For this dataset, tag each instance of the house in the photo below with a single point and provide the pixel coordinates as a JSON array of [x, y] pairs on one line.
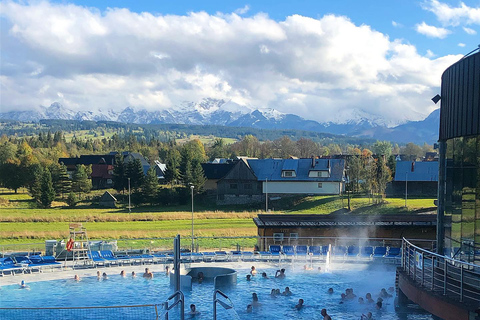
[[300, 176], [160, 169], [107, 200], [102, 168], [214, 171], [239, 185], [419, 178]]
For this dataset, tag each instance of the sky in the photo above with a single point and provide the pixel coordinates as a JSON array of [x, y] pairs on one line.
[[322, 60]]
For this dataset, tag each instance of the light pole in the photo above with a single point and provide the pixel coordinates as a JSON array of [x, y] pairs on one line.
[[406, 188], [266, 195], [193, 245], [129, 206]]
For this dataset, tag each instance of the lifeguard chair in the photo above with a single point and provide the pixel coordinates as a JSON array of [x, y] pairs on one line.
[[79, 245]]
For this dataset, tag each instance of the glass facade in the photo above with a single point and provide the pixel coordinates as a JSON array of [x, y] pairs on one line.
[[462, 197]]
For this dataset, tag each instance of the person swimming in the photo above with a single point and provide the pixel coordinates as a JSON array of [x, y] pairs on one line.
[[299, 304], [134, 274], [273, 294], [253, 271], [277, 292], [99, 275], [249, 308], [148, 274], [384, 294], [306, 267], [360, 300], [200, 277], [330, 291], [287, 292], [325, 314], [368, 297], [379, 305], [122, 273], [76, 278], [368, 316], [193, 310], [249, 277], [104, 276], [23, 285], [280, 274], [264, 275], [167, 270]]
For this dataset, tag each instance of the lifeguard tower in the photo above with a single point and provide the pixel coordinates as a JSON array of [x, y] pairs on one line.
[[79, 245]]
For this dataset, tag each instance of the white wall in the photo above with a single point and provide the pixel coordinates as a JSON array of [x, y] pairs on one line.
[[303, 187]]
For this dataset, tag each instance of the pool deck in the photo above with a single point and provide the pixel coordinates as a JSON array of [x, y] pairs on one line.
[[69, 273]]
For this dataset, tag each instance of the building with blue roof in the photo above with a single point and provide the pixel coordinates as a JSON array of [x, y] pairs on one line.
[[417, 178]]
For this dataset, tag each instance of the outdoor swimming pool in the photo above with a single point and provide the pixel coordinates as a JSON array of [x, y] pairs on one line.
[[311, 286]]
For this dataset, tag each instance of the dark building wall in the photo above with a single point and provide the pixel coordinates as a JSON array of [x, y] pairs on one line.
[[415, 188], [239, 181], [459, 179]]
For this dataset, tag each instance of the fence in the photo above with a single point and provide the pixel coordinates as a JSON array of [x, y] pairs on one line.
[[224, 244], [147, 312], [440, 274]]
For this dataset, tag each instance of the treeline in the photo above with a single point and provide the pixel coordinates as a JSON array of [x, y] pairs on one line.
[[32, 162]]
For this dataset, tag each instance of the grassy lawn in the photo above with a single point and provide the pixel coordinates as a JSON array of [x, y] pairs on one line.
[[22, 222]]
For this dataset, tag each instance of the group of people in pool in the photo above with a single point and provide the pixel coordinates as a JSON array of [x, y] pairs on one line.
[[147, 274]]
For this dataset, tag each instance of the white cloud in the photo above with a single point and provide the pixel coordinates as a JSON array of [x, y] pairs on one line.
[[316, 68], [461, 44], [243, 10], [469, 31], [453, 16], [396, 24], [431, 31]]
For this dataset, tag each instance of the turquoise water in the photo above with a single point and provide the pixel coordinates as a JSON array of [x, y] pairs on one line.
[[311, 286]]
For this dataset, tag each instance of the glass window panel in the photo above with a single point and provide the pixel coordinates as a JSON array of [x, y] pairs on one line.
[[458, 152], [469, 152]]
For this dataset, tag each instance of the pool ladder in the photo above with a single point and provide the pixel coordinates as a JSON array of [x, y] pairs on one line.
[[226, 306], [179, 299]]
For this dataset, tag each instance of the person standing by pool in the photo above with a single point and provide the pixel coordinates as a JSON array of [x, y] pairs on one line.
[[167, 270], [325, 315]]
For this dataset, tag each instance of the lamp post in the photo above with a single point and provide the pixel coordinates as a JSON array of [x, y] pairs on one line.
[[129, 206], [193, 245], [406, 188], [266, 195]]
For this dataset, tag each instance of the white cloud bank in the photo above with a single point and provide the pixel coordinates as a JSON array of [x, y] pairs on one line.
[[432, 31], [316, 68], [453, 16]]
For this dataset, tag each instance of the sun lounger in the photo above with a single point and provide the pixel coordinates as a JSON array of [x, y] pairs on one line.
[[379, 252], [221, 256], [288, 250], [339, 251], [97, 259], [208, 256], [301, 251], [108, 255], [366, 252], [275, 250], [393, 253], [248, 256], [235, 255], [353, 251], [8, 265]]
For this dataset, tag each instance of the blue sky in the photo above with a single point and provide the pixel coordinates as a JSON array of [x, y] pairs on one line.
[[323, 60]]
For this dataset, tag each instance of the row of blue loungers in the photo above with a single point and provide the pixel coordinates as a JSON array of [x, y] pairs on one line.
[[338, 253], [27, 264]]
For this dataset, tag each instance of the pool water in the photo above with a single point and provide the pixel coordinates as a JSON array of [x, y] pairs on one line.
[[311, 286]]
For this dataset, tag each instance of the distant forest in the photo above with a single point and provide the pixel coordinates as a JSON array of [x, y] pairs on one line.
[[169, 132]]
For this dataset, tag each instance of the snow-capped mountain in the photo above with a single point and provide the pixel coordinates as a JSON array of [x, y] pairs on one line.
[[228, 113]]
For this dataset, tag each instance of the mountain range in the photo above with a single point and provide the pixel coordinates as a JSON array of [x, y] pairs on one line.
[[228, 113]]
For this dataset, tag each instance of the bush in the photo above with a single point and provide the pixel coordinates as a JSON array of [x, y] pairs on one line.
[[71, 199]]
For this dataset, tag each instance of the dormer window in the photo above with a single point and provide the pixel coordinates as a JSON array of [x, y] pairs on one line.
[[288, 174], [319, 174]]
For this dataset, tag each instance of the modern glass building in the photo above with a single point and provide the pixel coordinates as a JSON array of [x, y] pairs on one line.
[[459, 170]]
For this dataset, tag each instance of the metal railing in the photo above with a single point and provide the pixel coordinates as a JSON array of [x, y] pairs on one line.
[[223, 304], [440, 274], [179, 299]]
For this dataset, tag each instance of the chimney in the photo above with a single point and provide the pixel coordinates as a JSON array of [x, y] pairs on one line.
[[413, 166], [328, 164], [313, 162]]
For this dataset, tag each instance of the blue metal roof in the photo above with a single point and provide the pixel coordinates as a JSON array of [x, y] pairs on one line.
[[416, 171], [271, 169]]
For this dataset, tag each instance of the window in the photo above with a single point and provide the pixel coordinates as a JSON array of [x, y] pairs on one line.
[[110, 171], [278, 237], [233, 186], [320, 185], [109, 181], [288, 174], [293, 236], [247, 186]]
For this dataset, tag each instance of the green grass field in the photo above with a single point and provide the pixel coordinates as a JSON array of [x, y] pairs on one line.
[[22, 222]]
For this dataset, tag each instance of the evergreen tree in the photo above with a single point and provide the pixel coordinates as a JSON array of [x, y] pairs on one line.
[[119, 174], [173, 158], [12, 176], [71, 199], [80, 181], [150, 185], [35, 185], [198, 177], [60, 179], [47, 191], [135, 173], [187, 176]]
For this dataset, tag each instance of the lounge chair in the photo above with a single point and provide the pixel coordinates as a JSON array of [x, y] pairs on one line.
[[301, 251], [339, 251], [208, 256], [353, 251], [393, 253], [221, 256], [366, 252], [315, 251], [43, 262], [235, 255], [97, 259], [288, 250], [8, 265], [108, 255], [379, 252], [248, 256]]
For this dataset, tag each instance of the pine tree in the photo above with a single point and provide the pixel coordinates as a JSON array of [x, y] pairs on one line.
[[35, 185], [198, 177], [47, 191], [135, 173], [187, 175], [150, 185], [80, 181], [119, 174], [172, 175], [60, 179]]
